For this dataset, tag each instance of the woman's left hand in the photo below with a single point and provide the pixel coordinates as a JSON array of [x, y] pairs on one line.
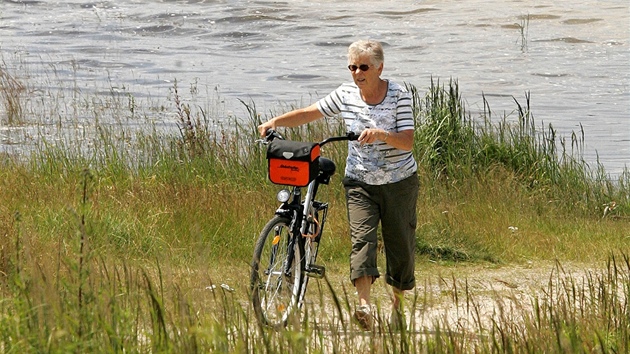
[[372, 135]]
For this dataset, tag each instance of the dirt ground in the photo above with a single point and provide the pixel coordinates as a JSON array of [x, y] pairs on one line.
[[462, 297]]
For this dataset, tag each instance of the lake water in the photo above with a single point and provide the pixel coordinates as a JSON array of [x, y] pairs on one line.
[[572, 56]]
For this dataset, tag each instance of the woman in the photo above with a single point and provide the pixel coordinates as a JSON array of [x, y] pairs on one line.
[[380, 177]]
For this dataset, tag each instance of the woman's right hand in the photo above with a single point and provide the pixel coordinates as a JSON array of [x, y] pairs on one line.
[[263, 128]]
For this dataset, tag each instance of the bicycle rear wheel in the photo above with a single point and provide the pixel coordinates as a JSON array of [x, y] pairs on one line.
[[274, 291]]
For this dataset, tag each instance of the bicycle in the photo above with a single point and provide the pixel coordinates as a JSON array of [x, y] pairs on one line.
[[286, 250]]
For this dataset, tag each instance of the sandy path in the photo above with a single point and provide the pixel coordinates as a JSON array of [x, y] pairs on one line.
[[463, 297]]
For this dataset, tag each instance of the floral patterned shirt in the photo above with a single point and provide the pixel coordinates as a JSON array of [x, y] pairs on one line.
[[376, 163]]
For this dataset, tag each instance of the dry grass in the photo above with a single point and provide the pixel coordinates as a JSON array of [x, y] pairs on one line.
[[11, 90]]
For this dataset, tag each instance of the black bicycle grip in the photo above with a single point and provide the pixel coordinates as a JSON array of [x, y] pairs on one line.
[[271, 134]]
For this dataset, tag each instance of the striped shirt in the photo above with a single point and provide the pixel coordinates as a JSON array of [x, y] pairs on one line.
[[376, 163]]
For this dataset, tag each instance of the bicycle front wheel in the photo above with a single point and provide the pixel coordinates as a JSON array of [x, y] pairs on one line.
[[274, 284]]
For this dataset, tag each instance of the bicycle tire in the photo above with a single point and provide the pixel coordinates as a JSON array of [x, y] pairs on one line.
[[275, 295]]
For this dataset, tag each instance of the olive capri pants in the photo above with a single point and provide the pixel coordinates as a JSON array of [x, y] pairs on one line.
[[394, 206]]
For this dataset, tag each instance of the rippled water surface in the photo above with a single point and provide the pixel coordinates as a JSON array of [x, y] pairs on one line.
[[572, 56]]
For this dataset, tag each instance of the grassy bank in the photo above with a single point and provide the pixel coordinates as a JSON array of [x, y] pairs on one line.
[[116, 239]]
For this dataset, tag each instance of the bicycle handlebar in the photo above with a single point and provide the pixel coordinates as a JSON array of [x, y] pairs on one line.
[[350, 136], [272, 135]]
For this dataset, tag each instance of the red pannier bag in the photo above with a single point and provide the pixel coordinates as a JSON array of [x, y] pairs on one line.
[[293, 163]]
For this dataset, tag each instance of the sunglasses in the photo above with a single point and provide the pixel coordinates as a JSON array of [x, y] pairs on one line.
[[362, 67]]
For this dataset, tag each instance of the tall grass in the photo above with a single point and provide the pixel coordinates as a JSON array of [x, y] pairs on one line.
[[11, 90], [456, 146], [118, 239]]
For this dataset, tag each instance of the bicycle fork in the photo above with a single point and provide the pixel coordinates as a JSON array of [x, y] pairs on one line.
[[274, 249], [275, 244]]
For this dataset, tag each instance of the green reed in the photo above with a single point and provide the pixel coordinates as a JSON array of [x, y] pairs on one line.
[[454, 145]]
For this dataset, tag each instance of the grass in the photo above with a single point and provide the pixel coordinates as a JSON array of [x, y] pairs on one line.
[[524, 30], [118, 239]]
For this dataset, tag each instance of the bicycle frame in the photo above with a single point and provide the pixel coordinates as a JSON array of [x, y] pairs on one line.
[[300, 212]]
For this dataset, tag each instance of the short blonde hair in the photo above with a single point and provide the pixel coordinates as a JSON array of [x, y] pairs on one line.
[[367, 46]]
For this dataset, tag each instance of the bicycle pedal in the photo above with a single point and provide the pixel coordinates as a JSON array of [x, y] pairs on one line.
[[316, 271]]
